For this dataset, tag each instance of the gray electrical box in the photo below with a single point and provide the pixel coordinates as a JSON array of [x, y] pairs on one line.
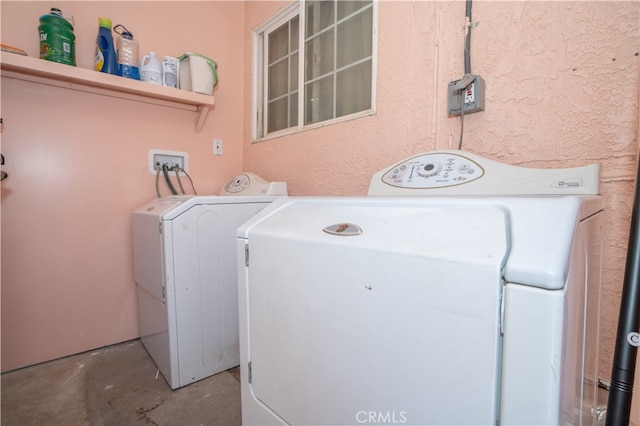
[[472, 97]]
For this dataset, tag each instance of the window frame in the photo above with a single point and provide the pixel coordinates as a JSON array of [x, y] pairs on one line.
[[260, 73]]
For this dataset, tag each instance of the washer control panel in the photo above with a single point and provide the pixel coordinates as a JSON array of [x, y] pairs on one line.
[[434, 170], [238, 184], [252, 184]]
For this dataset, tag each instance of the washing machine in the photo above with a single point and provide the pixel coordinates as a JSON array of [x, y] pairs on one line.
[[461, 291], [185, 273]]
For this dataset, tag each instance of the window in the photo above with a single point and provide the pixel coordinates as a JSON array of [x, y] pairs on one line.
[[331, 44]]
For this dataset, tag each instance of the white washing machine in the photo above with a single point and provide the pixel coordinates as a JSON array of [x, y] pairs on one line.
[[185, 274], [470, 298]]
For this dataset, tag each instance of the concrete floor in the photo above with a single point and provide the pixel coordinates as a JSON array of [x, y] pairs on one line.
[[118, 385]]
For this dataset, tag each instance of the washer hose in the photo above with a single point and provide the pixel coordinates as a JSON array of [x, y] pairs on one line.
[[165, 171]]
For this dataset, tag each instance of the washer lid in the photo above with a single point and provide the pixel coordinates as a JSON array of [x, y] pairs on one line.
[[168, 208], [160, 206]]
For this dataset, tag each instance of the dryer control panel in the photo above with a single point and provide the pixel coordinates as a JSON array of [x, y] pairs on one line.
[[434, 170], [460, 172]]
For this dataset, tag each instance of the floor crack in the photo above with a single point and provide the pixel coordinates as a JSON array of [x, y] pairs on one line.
[[142, 413]]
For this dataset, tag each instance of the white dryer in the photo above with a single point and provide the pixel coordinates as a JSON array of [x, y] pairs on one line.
[[477, 305], [185, 272]]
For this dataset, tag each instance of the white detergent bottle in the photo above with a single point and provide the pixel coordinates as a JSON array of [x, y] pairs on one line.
[[151, 69]]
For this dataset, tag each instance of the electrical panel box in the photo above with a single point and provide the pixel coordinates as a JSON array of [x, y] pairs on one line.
[[471, 97]]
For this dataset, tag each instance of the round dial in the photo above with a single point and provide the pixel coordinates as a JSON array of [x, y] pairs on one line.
[[433, 170], [429, 169], [238, 184]]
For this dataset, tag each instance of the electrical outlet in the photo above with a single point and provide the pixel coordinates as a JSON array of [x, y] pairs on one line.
[[472, 96], [172, 159], [469, 95], [217, 146]]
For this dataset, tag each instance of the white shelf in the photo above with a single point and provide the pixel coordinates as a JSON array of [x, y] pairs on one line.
[[54, 74]]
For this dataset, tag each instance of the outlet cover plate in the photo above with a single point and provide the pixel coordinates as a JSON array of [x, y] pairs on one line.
[[217, 146], [472, 97]]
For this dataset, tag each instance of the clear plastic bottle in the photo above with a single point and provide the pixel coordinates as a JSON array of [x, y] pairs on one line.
[[151, 69], [127, 53]]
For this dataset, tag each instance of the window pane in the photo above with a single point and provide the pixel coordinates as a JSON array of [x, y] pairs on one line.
[[277, 115], [294, 33], [279, 43], [293, 72], [346, 8], [282, 76], [354, 38], [320, 14], [319, 100], [319, 56], [278, 79], [293, 109], [353, 89]]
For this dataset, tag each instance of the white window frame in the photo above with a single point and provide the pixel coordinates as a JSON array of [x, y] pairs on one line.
[[260, 67]]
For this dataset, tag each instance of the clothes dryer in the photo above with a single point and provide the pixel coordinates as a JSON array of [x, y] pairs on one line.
[[185, 275], [471, 297]]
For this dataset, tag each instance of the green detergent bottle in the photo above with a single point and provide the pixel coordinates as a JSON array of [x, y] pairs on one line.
[[57, 41]]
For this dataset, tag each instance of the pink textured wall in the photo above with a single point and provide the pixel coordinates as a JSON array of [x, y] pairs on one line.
[[561, 90], [77, 166]]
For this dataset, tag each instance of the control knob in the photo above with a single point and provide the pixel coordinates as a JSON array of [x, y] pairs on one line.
[[429, 169]]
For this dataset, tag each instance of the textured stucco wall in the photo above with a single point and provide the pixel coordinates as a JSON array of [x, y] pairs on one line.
[[561, 90]]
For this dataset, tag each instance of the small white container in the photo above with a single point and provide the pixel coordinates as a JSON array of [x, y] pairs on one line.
[[198, 73], [151, 69]]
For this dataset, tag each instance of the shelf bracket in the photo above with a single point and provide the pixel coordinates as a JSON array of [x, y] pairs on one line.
[[203, 110]]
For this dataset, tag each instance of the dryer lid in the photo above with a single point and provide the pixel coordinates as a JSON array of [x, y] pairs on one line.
[[540, 229], [337, 288]]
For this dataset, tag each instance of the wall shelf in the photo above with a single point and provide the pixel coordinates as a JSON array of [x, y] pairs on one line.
[[54, 74]]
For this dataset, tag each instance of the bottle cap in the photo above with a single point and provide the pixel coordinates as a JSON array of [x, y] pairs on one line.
[[120, 29], [104, 22]]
